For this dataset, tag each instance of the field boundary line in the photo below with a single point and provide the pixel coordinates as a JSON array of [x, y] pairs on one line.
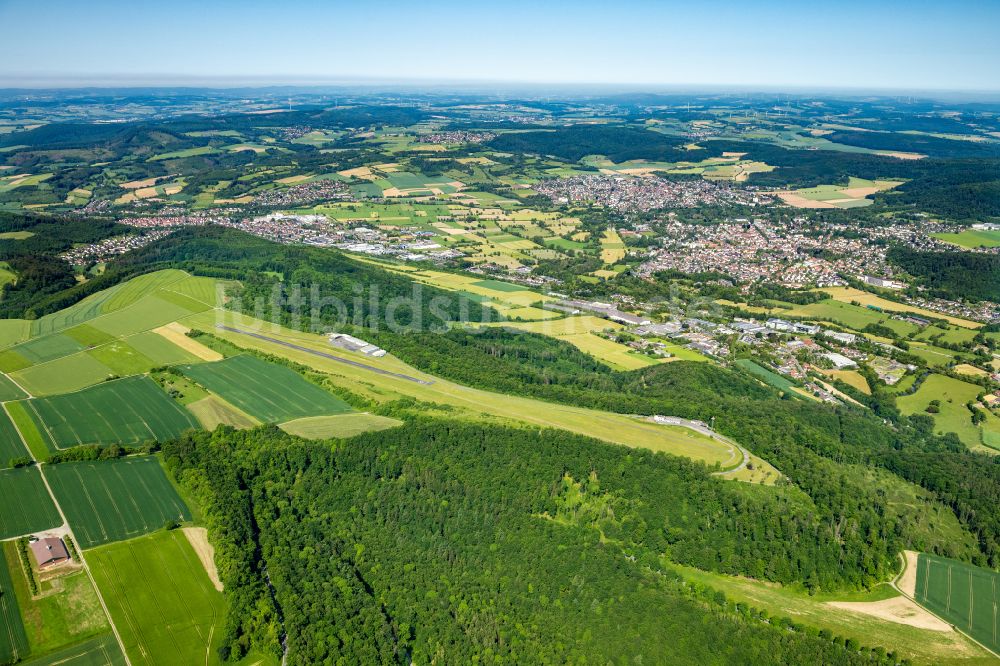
[[14, 382], [86, 567], [20, 435]]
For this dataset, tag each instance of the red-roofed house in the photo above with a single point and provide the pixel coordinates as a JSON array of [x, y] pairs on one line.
[[49, 551]]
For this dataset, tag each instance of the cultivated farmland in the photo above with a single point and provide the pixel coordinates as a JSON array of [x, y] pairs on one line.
[[161, 599], [111, 500], [339, 425], [65, 610], [27, 505], [13, 639], [126, 411], [962, 594], [616, 428], [269, 392], [100, 651]]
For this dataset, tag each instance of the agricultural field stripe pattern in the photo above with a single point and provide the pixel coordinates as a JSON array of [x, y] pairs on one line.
[[269, 392], [160, 598], [11, 445], [13, 638], [26, 502], [124, 411], [964, 595], [114, 500], [100, 651]]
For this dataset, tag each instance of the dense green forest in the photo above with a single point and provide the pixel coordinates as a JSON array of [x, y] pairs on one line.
[[807, 441], [469, 543], [954, 275], [40, 274], [617, 143]]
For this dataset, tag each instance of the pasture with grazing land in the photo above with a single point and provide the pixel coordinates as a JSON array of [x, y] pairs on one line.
[[953, 415], [111, 500], [27, 506], [161, 599], [266, 391], [125, 411]]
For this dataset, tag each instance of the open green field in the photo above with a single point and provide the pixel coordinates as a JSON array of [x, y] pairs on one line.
[[126, 411], [108, 301], [11, 445], [269, 392], [954, 415], [13, 638], [66, 610], [339, 425], [614, 428], [971, 238], [852, 316], [767, 376], [47, 348], [112, 500], [964, 595], [189, 152], [70, 373], [27, 506], [161, 599], [158, 349], [29, 431], [99, 651], [212, 411], [848, 294]]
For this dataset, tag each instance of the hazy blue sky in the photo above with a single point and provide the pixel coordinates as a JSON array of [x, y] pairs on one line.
[[914, 44]]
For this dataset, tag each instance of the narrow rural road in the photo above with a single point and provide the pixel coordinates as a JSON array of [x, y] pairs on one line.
[[703, 429]]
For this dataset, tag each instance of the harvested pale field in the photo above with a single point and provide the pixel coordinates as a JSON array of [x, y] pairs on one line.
[[900, 155], [145, 193], [172, 189], [177, 334], [797, 201], [358, 172], [966, 369], [293, 179], [450, 230], [198, 538], [908, 581], [898, 609], [139, 184], [735, 155], [212, 411]]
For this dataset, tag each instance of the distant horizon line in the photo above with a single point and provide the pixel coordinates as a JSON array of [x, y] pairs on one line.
[[58, 82]]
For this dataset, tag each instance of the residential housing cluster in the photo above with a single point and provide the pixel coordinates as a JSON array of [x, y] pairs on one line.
[[636, 194]]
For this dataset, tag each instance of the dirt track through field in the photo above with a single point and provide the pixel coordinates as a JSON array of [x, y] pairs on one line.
[[898, 609], [198, 537], [907, 583]]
